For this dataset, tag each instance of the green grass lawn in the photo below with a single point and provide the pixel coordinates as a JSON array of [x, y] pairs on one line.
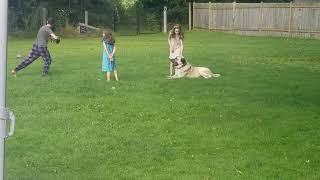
[[260, 120]]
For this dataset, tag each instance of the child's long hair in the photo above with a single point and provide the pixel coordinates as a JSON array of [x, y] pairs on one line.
[[172, 33], [108, 38]]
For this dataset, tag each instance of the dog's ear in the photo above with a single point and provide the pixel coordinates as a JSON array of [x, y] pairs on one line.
[[183, 61]]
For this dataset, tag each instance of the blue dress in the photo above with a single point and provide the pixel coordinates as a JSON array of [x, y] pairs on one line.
[[107, 64]]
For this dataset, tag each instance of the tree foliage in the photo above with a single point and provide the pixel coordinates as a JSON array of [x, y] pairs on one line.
[[26, 15]]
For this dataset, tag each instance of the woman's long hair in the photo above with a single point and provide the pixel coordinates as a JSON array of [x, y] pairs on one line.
[[172, 33]]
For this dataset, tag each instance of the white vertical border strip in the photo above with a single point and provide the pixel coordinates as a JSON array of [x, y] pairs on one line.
[[3, 78]]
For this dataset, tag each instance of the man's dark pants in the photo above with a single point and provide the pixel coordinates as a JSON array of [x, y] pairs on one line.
[[35, 53]]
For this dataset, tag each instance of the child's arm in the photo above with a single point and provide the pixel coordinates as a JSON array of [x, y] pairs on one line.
[[114, 50], [104, 47], [181, 45], [112, 53], [169, 41], [170, 47]]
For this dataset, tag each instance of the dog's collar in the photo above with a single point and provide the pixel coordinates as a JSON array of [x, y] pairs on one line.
[[186, 70], [181, 66]]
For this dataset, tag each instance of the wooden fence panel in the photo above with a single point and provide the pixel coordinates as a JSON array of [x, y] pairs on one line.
[[279, 19]]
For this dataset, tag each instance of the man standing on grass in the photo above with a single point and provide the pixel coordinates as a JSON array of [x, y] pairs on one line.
[[40, 48]]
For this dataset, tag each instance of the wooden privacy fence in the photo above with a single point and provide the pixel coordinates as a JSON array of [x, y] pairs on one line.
[[274, 19]]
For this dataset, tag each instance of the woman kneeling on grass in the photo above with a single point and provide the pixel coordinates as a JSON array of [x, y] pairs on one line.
[[108, 56]]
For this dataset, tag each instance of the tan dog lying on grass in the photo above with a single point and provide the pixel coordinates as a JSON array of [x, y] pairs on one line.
[[184, 69]]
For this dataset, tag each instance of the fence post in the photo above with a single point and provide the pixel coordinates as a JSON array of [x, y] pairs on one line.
[[138, 19], [86, 17], [67, 21], [44, 16], [210, 15], [290, 18], [233, 15], [193, 14], [261, 16], [189, 16], [165, 19]]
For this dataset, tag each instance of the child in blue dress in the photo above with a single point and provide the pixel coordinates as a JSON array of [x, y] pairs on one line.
[[108, 56]]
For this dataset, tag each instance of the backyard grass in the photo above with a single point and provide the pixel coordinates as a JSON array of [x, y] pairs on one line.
[[260, 120]]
